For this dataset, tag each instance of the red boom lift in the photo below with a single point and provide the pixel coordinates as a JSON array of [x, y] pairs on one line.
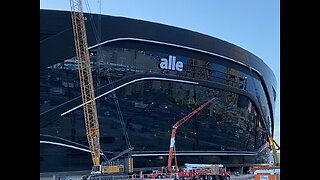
[[170, 171], [173, 135]]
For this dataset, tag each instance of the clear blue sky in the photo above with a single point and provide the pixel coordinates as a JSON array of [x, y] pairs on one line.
[[251, 24]]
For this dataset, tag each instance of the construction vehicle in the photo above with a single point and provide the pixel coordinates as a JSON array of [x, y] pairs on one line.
[[276, 164], [88, 97], [159, 173], [190, 171], [269, 171], [272, 143], [205, 171], [172, 155]]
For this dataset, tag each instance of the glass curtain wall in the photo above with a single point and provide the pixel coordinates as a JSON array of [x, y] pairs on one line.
[[150, 107]]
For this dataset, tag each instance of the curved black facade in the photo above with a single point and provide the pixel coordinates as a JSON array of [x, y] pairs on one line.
[[159, 74]]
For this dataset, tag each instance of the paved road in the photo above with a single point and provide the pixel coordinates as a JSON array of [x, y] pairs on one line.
[[242, 177]]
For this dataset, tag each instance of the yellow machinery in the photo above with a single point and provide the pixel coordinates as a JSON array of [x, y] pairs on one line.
[[272, 143], [269, 172], [87, 91]]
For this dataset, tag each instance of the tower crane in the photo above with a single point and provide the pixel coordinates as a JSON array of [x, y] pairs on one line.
[[173, 135], [87, 93]]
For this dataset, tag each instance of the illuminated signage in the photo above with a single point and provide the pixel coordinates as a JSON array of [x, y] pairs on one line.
[[171, 64]]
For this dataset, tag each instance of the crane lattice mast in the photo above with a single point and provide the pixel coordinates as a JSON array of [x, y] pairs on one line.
[[86, 81]]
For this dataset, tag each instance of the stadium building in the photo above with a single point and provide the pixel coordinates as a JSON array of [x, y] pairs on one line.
[[157, 74]]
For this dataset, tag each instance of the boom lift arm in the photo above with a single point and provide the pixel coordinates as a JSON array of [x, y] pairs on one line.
[[173, 135], [274, 152]]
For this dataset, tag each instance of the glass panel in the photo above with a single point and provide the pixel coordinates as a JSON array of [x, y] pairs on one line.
[[150, 108]]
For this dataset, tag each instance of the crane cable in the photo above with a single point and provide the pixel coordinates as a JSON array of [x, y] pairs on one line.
[[119, 111], [98, 40]]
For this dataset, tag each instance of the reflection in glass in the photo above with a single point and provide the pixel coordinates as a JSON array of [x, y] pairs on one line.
[[231, 122]]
